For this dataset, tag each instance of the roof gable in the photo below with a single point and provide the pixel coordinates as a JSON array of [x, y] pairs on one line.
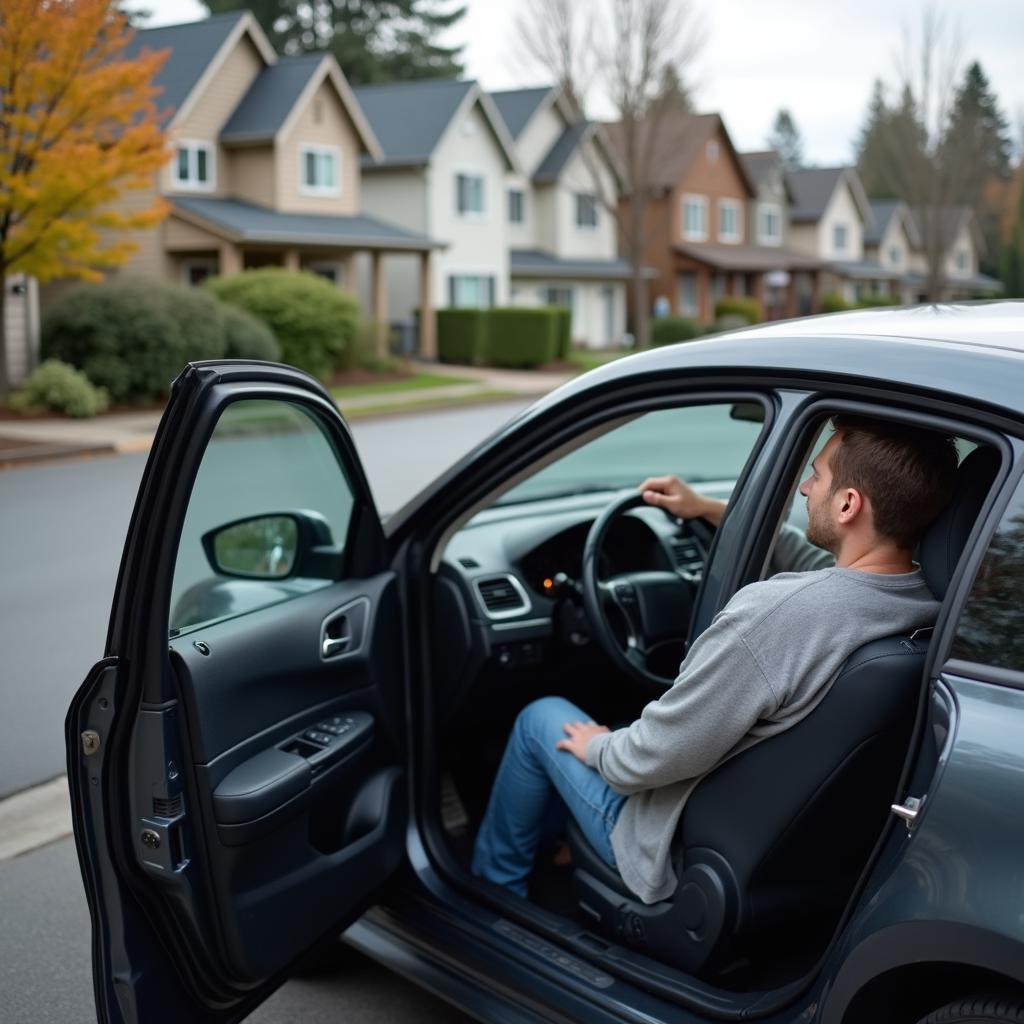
[[517, 106], [885, 214], [764, 168], [813, 188]]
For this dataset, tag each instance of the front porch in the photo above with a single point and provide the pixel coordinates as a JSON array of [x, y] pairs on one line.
[[224, 236]]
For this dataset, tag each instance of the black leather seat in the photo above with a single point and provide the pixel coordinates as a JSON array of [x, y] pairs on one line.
[[779, 834]]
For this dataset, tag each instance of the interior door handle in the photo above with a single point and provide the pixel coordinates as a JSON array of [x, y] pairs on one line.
[[334, 645], [908, 810]]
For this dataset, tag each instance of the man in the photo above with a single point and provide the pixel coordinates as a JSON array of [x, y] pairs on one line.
[[764, 663]]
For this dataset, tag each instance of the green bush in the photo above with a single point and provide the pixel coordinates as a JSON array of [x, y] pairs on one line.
[[462, 335], [564, 332], [61, 388], [133, 337], [313, 321], [667, 330], [833, 302], [245, 337], [870, 301], [738, 305], [520, 336]]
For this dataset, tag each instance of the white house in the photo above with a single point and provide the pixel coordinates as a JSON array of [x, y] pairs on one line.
[[893, 244], [562, 234], [446, 152], [956, 230]]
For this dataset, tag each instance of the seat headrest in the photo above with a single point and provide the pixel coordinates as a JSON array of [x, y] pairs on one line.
[[944, 540]]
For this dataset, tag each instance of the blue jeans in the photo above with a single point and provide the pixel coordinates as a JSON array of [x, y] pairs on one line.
[[534, 786]]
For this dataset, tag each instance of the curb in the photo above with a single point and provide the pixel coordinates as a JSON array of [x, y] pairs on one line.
[[11, 458]]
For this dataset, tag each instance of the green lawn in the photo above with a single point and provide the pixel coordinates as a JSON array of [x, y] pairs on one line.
[[419, 404], [416, 382], [587, 359]]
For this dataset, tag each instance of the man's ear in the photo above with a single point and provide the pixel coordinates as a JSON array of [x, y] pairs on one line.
[[851, 505]]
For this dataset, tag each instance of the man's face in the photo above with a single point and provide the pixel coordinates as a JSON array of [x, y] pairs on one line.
[[817, 489]]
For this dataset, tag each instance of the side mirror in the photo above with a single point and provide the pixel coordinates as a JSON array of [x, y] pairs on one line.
[[275, 546], [750, 412]]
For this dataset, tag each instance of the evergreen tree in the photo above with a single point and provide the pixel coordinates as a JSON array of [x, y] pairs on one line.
[[786, 140], [372, 40], [977, 123], [1013, 252]]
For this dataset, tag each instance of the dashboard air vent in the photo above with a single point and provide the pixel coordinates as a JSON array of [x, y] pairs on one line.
[[686, 553], [502, 596], [469, 563]]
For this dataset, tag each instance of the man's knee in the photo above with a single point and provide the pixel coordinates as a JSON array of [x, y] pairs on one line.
[[545, 715]]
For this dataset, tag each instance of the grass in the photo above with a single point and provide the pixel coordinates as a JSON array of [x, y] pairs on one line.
[[587, 359], [416, 382], [419, 404]]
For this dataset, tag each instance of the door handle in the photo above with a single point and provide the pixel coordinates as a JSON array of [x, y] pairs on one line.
[[334, 645], [908, 810]]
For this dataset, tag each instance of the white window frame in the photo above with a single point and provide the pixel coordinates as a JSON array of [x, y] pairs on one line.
[[962, 260], [490, 290], [521, 192], [730, 237], [193, 146], [580, 226], [684, 308], [895, 256], [317, 150], [702, 203], [845, 247], [774, 209], [480, 214]]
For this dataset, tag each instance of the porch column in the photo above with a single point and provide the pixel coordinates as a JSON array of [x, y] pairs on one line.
[[428, 323], [291, 260], [379, 303], [230, 259], [758, 293]]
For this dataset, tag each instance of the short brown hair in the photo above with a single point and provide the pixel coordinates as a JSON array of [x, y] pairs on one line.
[[907, 473]]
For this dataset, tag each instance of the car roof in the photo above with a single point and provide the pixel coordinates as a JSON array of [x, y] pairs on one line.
[[972, 351]]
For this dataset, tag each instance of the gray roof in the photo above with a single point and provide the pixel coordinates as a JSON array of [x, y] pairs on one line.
[[558, 156], [812, 189], [760, 165], [517, 106], [866, 270], [270, 99], [409, 118], [193, 46], [883, 211], [246, 222], [751, 258], [538, 263]]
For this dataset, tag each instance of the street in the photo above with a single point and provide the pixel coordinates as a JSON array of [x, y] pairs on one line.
[[63, 526]]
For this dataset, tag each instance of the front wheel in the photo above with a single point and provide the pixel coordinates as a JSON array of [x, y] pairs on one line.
[[984, 1009]]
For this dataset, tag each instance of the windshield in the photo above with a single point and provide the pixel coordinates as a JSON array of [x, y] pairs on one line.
[[699, 443]]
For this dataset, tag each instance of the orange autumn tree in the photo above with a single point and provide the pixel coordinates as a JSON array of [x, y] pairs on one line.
[[78, 125]]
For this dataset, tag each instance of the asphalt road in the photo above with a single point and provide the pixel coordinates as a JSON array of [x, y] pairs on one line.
[[62, 528]]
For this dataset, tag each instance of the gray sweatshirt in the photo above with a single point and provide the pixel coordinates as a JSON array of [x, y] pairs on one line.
[[764, 663]]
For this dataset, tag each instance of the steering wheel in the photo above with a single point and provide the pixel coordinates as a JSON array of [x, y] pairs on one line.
[[655, 605]]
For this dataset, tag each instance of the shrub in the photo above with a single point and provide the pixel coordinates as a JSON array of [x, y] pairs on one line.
[[133, 337], [833, 302], [461, 335], [731, 322], [55, 385], [667, 330], [564, 348], [245, 337], [870, 301], [738, 305], [313, 321], [521, 336]]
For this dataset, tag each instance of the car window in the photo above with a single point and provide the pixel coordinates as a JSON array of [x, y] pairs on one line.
[[701, 444], [989, 631], [267, 517]]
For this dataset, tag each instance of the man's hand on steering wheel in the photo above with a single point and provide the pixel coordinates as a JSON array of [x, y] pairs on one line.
[[681, 500]]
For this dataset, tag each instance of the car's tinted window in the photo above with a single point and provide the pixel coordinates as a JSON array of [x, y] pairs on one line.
[[991, 629], [271, 487]]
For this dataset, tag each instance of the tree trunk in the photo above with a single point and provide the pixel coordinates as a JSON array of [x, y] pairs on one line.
[[637, 251], [5, 384]]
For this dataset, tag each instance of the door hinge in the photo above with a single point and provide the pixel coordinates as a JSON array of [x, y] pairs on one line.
[[90, 742]]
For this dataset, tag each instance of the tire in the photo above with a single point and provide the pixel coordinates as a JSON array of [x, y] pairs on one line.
[[983, 1009]]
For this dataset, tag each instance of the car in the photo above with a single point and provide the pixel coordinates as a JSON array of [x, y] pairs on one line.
[[300, 708]]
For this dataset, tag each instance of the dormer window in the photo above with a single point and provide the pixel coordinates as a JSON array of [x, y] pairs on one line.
[[895, 255], [318, 170], [840, 237], [586, 210], [194, 166], [469, 195], [962, 260]]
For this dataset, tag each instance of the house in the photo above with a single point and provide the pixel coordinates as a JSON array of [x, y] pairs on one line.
[[892, 243], [561, 207], [956, 234], [698, 237], [21, 326], [265, 167], [828, 220], [445, 152]]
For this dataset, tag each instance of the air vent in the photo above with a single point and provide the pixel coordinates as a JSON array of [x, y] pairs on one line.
[[686, 554], [502, 596], [167, 808], [469, 563]]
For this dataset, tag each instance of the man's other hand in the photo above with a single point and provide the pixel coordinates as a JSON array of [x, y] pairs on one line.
[[579, 734], [681, 500]]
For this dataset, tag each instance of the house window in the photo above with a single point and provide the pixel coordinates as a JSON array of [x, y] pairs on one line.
[[470, 291], [556, 295], [195, 272], [895, 256], [515, 206], [840, 237], [688, 294], [586, 211], [194, 166], [469, 194], [769, 224], [729, 220], [318, 171], [695, 218], [962, 260]]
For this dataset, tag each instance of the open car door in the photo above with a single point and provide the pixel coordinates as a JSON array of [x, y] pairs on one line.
[[235, 759]]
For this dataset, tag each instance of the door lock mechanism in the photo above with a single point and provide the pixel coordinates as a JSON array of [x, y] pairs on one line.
[[90, 742], [908, 810]]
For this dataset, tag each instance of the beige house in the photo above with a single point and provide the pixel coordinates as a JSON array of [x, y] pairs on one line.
[[265, 167], [21, 326], [957, 234]]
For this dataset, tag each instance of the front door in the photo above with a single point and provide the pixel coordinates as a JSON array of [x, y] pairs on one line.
[[235, 759]]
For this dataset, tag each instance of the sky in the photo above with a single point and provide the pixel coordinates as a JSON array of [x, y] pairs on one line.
[[817, 58]]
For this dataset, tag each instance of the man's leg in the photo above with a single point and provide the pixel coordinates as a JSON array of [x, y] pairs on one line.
[[531, 772]]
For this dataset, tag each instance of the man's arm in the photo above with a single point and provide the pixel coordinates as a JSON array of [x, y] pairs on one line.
[[681, 500]]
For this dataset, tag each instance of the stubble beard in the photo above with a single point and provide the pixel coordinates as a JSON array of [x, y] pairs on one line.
[[821, 531]]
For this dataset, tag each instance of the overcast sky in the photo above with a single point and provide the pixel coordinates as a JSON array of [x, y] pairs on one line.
[[818, 58]]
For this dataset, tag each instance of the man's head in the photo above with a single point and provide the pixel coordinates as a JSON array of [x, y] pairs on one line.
[[878, 481]]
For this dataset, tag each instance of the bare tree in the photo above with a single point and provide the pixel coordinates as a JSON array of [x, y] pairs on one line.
[[555, 36]]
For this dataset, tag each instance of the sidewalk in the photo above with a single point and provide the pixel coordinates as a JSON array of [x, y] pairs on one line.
[[31, 440]]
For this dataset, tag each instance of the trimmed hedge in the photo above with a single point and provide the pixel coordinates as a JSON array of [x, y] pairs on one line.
[[133, 337], [667, 330], [833, 302], [461, 335], [520, 336], [58, 387], [314, 323], [738, 305], [870, 301]]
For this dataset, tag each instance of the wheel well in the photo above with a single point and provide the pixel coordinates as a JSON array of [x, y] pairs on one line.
[[906, 994]]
